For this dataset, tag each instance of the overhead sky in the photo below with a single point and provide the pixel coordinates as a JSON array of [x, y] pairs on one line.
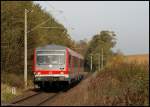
[[83, 19]]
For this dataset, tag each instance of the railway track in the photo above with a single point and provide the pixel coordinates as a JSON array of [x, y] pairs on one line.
[[39, 97], [25, 97], [35, 98]]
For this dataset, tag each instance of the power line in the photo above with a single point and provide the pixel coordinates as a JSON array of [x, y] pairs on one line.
[[64, 17]]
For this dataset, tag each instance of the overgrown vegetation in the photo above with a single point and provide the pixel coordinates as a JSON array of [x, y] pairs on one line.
[[7, 92], [15, 79], [121, 84], [10, 81], [124, 84]]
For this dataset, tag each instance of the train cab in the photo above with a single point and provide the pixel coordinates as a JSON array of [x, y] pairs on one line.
[[56, 63]]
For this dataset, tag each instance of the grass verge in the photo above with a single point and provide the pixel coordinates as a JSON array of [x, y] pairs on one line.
[[12, 85]]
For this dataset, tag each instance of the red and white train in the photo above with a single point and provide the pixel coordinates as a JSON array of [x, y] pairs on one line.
[[56, 63]]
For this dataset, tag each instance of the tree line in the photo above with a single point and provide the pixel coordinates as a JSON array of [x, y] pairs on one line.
[[12, 33], [100, 46]]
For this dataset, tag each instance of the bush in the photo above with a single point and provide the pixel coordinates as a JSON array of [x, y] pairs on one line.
[[13, 79], [6, 93]]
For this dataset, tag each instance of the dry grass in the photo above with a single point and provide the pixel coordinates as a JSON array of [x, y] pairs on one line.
[[141, 58], [7, 93], [10, 81]]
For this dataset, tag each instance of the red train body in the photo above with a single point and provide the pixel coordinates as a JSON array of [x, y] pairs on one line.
[[55, 63]]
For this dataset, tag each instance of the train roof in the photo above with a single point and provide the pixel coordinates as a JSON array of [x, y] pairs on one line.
[[59, 47], [52, 47], [75, 53]]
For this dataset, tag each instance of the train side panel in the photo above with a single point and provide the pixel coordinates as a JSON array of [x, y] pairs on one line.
[[75, 67]]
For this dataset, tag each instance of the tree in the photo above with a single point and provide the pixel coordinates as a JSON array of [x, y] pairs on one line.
[[104, 41], [82, 46]]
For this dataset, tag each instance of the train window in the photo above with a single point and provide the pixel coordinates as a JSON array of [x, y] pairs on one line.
[[42, 60], [61, 59], [51, 58], [70, 60], [75, 62], [81, 62]]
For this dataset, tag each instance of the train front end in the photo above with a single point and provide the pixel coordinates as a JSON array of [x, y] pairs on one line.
[[50, 65]]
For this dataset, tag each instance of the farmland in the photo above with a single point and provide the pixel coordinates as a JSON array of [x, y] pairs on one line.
[[139, 58]]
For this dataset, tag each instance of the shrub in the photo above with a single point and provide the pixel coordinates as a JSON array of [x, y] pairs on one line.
[[120, 83]]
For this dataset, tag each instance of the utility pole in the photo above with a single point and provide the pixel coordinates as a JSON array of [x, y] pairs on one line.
[[99, 61], [25, 47], [102, 58], [91, 63], [25, 41]]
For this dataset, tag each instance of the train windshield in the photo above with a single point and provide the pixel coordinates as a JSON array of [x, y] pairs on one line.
[[50, 57]]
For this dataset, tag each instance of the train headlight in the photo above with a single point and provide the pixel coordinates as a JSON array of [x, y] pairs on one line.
[[61, 72], [38, 73], [50, 66]]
